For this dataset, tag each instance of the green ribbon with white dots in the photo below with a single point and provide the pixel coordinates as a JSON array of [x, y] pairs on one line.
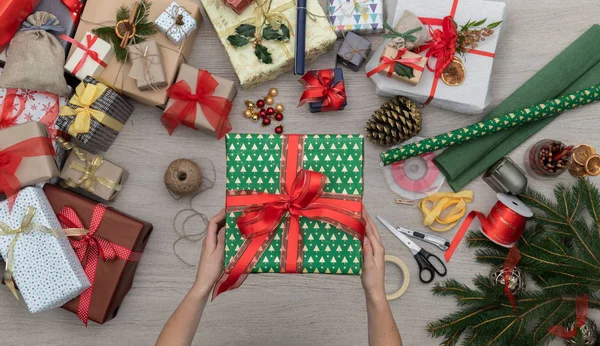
[[503, 122]]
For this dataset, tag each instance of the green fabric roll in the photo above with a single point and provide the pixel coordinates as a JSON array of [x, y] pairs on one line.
[[576, 68]]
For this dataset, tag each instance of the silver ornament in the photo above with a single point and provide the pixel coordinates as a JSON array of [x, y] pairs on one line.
[[516, 282], [589, 331]]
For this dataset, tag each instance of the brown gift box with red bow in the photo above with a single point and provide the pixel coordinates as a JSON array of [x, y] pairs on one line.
[[113, 278]]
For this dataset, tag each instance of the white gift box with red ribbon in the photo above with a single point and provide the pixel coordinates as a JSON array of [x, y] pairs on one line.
[[474, 94]]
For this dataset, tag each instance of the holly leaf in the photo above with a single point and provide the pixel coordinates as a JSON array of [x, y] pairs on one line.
[[271, 34], [403, 70], [493, 25], [237, 40], [246, 30], [285, 33], [479, 22], [262, 53]]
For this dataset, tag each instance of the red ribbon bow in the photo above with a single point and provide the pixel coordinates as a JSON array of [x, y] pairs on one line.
[[75, 6], [263, 212], [581, 312], [88, 52], [388, 63], [11, 158], [216, 109], [6, 120], [88, 248], [320, 88], [442, 46]]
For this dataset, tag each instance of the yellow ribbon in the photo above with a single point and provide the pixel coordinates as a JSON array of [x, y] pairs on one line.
[[85, 96], [88, 167], [454, 204], [27, 226]]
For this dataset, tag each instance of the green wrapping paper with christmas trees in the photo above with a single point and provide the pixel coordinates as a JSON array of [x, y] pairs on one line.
[[576, 68], [255, 164]]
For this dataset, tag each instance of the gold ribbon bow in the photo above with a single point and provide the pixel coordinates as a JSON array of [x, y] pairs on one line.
[[264, 14], [85, 96], [88, 167], [27, 226]]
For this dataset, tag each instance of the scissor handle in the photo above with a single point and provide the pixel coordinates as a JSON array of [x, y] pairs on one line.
[[423, 260]]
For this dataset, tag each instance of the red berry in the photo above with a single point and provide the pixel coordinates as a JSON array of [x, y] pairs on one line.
[[266, 122], [262, 113], [279, 129], [270, 111], [260, 103], [278, 116]]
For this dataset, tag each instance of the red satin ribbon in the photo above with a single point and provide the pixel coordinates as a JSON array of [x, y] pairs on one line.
[[11, 158], [510, 263], [75, 6], [443, 46], [319, 88], [88, 248], [88, 52], [388, 63], [503, 226], [216, 109], [302, 196], [6, 120], [581, 312]]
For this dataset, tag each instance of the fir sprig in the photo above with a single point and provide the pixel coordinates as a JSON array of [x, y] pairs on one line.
[[560, 252], [143, 28]]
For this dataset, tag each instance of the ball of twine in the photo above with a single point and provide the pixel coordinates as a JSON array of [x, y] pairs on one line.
[[183, 177]]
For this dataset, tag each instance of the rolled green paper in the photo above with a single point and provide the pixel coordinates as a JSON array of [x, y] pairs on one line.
[[526, 115], [577, 67]]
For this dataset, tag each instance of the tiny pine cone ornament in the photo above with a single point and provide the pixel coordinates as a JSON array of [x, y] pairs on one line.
[[394, 122]]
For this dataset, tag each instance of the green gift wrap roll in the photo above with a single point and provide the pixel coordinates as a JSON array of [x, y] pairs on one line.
[[576, 68], [521, 117]]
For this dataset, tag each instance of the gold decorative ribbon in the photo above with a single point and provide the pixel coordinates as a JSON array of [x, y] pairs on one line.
[[85, 96], [455, 203], [89, 179], [27, 226]]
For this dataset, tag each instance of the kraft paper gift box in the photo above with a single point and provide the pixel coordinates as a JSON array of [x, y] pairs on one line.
[[147, 67], [68, 13], [321, 247], [360, 16], [116, 75], [92, 175], [190, 78], [113, 278], [176, 22], [95, 130], [250, 71], [18, 106], [81, 65], [474, 94], [406, 71], [46, 270], [31, 142]]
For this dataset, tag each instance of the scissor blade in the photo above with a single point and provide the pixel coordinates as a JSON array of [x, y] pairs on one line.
[[414, 248]]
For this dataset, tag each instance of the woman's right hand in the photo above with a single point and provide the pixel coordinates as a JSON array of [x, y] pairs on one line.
[[373, 273]]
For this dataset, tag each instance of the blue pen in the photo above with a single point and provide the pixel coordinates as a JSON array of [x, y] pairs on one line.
[[300, 38]]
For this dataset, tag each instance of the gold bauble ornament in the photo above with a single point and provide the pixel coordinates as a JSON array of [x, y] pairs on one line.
[[248, 113], [249, 104], [269, 100], [279, 108], [273, 92]]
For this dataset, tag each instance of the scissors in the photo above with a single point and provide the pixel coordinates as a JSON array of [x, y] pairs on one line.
[[423, 257]]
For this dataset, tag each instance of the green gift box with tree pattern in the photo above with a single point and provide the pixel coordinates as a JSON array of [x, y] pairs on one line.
[[294, 205]]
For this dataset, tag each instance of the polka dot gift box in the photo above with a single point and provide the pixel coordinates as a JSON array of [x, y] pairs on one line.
[[294, 205], [46, 271], [176, 22]]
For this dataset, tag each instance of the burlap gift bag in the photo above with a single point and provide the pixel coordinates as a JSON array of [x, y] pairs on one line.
[[35, 58]]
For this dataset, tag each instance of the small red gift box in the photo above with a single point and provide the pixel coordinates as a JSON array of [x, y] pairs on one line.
[[238, 5]]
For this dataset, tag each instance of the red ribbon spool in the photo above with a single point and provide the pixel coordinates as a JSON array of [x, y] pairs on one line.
[[504, 225]]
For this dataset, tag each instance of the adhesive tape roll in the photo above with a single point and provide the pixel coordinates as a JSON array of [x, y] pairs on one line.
[[405, 277]]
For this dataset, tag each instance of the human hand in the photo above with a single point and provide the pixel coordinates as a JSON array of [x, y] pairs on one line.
[[211, 259], [373, 273]]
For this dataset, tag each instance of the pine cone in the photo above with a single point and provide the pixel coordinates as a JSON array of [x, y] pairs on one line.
[[394, 122]]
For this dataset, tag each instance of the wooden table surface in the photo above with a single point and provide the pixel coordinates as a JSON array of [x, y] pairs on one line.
[[299, 309]]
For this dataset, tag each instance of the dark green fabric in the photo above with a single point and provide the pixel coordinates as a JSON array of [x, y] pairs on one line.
[[575, 68]]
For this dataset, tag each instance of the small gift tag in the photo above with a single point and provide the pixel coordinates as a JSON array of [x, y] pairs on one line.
[[147, 66], [176, 22]]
